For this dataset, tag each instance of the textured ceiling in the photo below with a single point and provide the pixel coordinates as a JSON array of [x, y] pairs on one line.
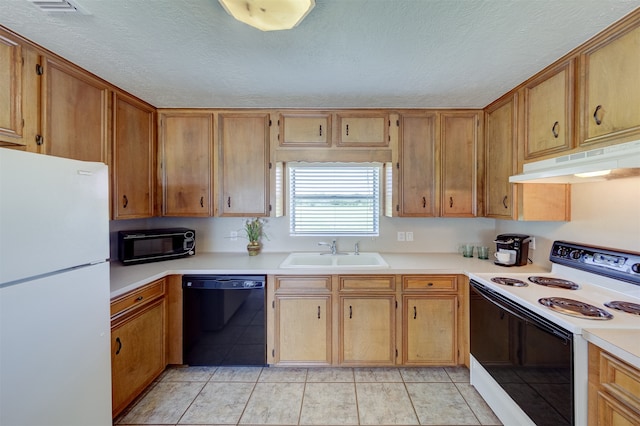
[[346, 53]]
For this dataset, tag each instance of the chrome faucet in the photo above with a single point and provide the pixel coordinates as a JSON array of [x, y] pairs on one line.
[[333, 246], [357, 248]]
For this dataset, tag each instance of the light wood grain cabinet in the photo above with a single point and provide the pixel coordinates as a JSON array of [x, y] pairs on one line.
[[614, 390], [459, 163], [75, 113], [186, 156], [11, 81], [417, 165], [500, 158], [362, 129], [610, 101], [367, 329], [430, 320], [549, 101], [304, 129], [137, 342], [244, 164], [133, 168], [303, 320]]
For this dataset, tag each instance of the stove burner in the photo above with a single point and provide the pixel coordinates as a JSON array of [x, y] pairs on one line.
[[555, 282], [575, 308], [509, 281], [628, 307]]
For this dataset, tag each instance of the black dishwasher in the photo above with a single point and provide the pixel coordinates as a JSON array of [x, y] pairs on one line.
[[224, 320]]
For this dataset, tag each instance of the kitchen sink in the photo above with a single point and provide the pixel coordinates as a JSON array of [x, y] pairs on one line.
[[323, 260]]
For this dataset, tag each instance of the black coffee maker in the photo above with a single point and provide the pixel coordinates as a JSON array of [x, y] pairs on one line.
[[516, 246]]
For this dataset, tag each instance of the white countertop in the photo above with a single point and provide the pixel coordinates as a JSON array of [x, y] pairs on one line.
[[127, 278], [624, 344]]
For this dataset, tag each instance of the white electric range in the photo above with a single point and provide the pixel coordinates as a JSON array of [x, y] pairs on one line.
[[529, 360]]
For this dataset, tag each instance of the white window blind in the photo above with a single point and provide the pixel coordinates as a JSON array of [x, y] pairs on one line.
[[334, 199]]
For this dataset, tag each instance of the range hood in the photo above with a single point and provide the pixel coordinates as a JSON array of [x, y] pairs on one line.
[[622, 160]]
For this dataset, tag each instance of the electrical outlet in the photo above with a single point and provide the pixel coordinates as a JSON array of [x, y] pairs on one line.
[[409, 235], [401, 236], [233, 235], [532, 243]]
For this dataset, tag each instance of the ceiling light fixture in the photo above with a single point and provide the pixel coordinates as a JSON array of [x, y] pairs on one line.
[[269, 15]]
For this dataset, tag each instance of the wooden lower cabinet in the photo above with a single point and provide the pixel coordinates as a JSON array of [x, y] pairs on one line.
[[367, 329], [137, 342], [303, 329], [614, 390], [430, 330]]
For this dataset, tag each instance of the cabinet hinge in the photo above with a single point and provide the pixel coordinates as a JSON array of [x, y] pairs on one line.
[[278, 124], [458, 303], [23, 123], [398, 165], [269, 207], [269, 122], [273, 352], [270, 165], [396, 353], [273, 304], [397, 207], [39, 69], [39, 140], [397, 123], [396, 304]]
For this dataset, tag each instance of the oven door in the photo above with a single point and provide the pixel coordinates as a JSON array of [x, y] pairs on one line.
[[528, 356]]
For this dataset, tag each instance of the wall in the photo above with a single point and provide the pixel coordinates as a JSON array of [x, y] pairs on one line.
[[603, 213]]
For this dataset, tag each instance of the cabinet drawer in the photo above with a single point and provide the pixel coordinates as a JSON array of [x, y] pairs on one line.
[[434, 283], [314, 283], [137, 297], [373, 282], [620, 379]]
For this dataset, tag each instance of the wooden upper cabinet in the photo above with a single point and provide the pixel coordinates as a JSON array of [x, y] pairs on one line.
[[500, 158], [363, 129], [10, 90], [459, 165], [186, 154], [75, 108], [244, 163], [549, 111], [133, 158], [417, 165], [610, 110], [304, 129]]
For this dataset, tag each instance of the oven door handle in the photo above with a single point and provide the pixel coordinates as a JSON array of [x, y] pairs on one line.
[[513, 310]]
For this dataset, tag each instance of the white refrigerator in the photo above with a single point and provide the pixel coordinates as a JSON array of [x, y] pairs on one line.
[[55, 362]]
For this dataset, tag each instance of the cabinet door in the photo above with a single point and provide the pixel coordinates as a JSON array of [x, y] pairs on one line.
[[417, 165], [133, 156], [10, 90], [549, 117], [244, 159], [611, 102], [500, 158], [305, 129], [459, 168], [367, 330], [137, 354], [186, 156], [303, 329], [430, 330], [363, 129], [75, 113]]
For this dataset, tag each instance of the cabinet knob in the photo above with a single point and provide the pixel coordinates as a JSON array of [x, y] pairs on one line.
[[119, 342], [139, 298], [125, 201], [596, 118], [554, 130]]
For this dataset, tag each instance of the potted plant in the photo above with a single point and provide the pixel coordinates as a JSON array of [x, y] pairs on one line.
[[254, 230]]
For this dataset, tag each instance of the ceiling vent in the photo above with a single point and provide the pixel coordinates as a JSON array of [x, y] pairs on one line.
[[58, 6]]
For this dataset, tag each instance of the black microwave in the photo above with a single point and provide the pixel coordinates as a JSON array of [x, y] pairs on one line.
[[154, 245]]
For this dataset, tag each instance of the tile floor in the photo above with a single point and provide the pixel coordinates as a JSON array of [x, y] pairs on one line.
[[310, 396]]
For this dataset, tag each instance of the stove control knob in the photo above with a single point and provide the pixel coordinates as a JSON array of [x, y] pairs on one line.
[[575, 254], [636, 268]]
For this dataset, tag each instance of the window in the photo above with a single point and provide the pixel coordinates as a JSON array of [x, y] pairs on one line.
[[334, 198]]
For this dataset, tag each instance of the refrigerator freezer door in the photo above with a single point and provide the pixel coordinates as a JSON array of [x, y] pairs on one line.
[[54, 214], [55, 364]]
